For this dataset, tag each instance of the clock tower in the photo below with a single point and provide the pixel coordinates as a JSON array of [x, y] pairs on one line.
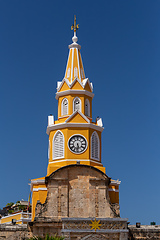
[[75, 169], [74, 137]]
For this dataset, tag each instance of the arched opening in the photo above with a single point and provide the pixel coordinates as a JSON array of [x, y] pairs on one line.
[[76, 104], [64, 108], [58, 145], [95, 146], [87, 108]]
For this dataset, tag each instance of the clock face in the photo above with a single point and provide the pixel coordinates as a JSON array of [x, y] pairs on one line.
[[77, 144]]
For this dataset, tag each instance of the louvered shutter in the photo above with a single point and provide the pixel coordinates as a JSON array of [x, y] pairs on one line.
[[58, 145], [95, 146], [65, 107], [87, 108], [77, 105]]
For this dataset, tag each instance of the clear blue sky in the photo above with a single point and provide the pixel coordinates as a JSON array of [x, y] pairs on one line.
[[120, 49]]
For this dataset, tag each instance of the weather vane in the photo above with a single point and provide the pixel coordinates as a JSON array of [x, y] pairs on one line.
[[75, 26]]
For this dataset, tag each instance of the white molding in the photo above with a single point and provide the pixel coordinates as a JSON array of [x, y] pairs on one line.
[[80, 113], [74, 45], [82, 83], [58, 84], [49, 149], [65, 116], [39, 189], [53, 145], [78, 125], [76, 80], [77, 92], [90, 84], [72, 64], [38, 181], [113, 190], [75, 160], [115, 182], [98, 159], [78, 65], [10, 215], [61, 83]]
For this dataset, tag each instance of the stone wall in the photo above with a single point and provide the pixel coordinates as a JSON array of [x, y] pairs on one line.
[[77, 191], [145, 232], [14, 232], [23, 232]]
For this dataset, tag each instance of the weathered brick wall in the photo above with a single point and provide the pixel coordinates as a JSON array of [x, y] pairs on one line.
[[14, 232], [145, 232], [22, 232], [77, 191]]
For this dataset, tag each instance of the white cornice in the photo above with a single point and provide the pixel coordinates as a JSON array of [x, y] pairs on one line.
[[70, 85], [37, 182], [115, 182], [78, 125], [74, 45], [39, 189], [76, 92]]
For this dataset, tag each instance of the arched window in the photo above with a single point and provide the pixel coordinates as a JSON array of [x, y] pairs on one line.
[[64, 107], [87, 108], [95, 146], [58, 145], [77, 104]]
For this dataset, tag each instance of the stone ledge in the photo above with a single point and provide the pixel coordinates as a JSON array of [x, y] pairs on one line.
[[10, 227]]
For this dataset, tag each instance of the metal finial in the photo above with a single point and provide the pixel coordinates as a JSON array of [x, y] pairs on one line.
[[75, 26]]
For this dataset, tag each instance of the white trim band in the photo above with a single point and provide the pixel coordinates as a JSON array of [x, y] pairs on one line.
[[77, 92], [39, 189], [75, 160], [79, 125]]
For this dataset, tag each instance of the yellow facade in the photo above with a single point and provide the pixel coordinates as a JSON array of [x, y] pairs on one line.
[[20, 217], [74, 124]]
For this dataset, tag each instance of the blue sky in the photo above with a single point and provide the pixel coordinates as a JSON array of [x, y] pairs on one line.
[[121, 54]]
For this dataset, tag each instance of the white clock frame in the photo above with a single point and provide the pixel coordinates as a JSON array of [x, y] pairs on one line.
[[85, 140]]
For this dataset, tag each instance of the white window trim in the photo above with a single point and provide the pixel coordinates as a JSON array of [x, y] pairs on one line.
[[80, 104], [53, 146], [49, 149], [98, 159], [62, 107], [87, 101]]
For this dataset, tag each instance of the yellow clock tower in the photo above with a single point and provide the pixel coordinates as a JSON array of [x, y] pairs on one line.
[[74, 138]]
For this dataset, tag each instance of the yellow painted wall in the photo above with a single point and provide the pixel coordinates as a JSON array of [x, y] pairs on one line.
[[70, 99], [38, 196], [68, 132], [10, 217], [114, 196]]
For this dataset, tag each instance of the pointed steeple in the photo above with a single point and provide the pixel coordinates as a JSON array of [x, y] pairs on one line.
[[74, 68]]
